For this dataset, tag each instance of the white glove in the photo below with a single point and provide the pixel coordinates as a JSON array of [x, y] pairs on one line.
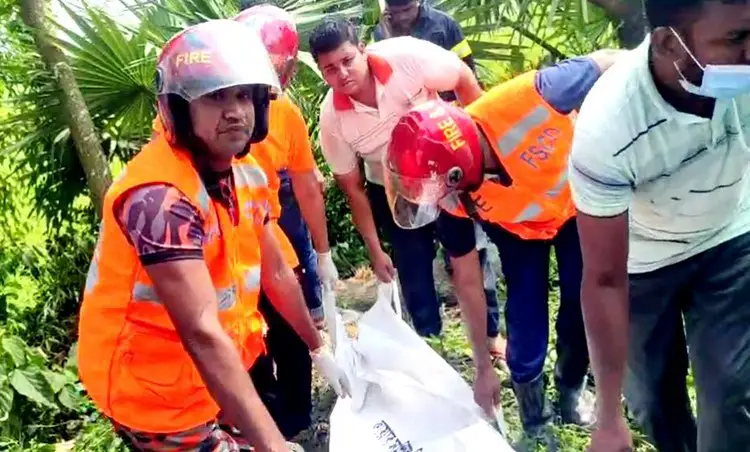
[[333, 374], [327, 270]]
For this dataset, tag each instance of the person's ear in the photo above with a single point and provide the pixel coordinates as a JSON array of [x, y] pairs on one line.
[[361, 47], [666, 45]]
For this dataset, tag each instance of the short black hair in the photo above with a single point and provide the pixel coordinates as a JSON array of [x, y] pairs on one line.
[[670, 13], [399, 2], [330, 34]]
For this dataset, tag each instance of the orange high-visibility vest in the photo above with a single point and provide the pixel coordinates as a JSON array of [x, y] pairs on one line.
[[533, 141], [130, 357], [273, 184]]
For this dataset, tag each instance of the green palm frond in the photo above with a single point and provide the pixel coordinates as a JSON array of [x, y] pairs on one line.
[[554, 28], [114, 68]]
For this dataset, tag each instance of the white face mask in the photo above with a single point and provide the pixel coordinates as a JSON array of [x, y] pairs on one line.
[[719, 81]]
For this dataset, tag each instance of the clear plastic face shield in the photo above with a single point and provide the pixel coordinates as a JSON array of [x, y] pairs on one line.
[[414, 202], [417, 201]]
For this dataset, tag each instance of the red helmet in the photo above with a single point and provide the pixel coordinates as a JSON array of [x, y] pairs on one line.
[[434, 153], [205, 58], [279, 35]]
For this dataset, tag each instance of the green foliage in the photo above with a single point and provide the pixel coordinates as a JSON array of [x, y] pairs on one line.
[[33, 390], [59, 275], [98, 435]]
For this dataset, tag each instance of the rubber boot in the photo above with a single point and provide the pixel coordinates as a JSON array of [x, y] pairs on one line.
[[536, 415], [577, 405]]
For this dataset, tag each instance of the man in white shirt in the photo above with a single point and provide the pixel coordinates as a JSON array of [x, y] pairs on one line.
[[370, 90], [659, 174]]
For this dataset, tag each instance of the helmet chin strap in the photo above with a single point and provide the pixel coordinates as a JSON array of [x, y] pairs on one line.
[[469, 205], [245, 151]]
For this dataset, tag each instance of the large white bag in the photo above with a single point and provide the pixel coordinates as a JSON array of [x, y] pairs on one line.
[[405, 397]]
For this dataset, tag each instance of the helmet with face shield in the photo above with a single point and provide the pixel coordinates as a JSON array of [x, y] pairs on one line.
[[434, 154], [206, 58]]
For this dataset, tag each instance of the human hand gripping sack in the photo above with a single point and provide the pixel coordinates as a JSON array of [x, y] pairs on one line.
[[487, 390], [328, 273], [382, 265], [334, 375]]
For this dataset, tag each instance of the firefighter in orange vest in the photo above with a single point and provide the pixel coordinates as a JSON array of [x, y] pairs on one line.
[[283, 377], [503, 162], [169, 323]]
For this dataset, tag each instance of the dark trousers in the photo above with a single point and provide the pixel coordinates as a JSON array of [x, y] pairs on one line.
[[413, 253], [294, 227], [526, 269], [711, 292], [287, 391]]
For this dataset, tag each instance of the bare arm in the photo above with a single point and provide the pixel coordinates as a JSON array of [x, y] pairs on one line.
[[353, 185], [604, 298], [283, 290], [467, 88], [467, 278], [312, 205], [469, 284], [188, 294], [605, 58]]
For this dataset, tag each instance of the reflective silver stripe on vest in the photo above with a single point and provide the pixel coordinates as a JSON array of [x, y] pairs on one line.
[[203, 199], [555, 191], [252, 278], [226, 297], [249, 176], [144, 292], [92, 277], [531, 211], [515, 135]]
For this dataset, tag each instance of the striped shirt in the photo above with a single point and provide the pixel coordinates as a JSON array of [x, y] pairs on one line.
[[682, 178]]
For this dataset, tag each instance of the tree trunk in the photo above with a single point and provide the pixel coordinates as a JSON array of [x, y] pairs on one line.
[[77, 116], [632, 27]]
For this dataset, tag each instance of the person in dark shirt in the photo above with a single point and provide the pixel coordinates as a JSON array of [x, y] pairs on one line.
[[417, 19]]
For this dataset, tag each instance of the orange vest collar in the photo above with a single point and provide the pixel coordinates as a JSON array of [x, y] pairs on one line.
[[380, 69]]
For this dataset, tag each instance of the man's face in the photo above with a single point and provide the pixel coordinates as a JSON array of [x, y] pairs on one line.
[[344, 69], [224, 120], [718, 35], [402, 18]]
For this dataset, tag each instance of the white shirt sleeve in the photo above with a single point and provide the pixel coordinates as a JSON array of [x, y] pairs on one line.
[[438, 68], [337, 152], [600, 185]]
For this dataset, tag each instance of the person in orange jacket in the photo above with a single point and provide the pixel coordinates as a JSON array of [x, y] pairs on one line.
[[283, 376], [287, 154], [169, 323], [503, 162]]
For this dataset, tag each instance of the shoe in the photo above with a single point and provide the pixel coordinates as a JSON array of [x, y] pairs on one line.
[[536, 415]]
